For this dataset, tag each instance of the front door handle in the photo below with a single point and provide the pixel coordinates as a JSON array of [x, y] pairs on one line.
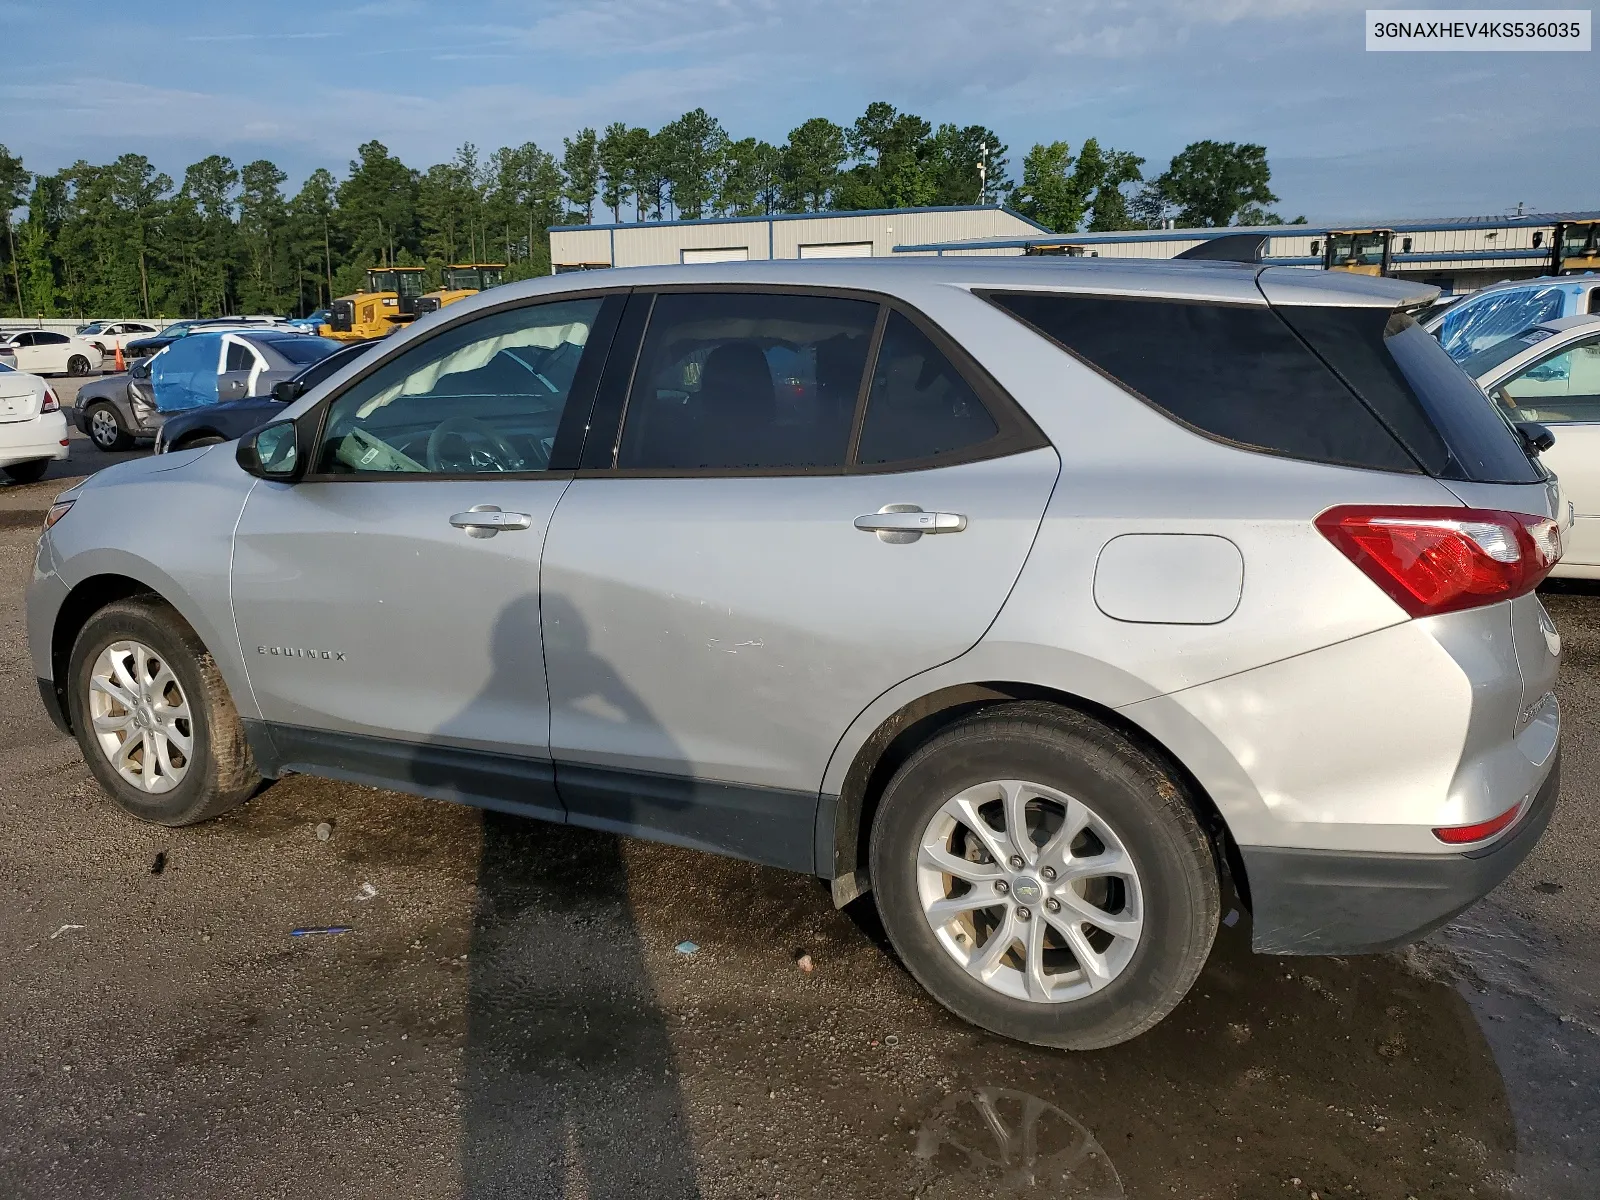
[[902, 523], [486, 520]]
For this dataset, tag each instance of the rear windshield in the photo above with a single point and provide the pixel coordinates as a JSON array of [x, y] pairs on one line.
[[1418, 390], [1356, 387]]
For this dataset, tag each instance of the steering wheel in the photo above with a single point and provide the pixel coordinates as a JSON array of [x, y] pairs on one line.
[[486, 448]]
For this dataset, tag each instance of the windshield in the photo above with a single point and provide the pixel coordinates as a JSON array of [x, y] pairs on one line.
[[1480, 364], [1478, 322], [93, 327]]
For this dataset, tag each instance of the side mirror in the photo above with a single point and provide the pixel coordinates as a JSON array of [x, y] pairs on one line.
[[1535, 437], [140, 369], [287, 391], [272, 452]]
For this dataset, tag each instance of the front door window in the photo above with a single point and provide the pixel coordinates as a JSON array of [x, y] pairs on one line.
[[1563, 389], [485, 397]]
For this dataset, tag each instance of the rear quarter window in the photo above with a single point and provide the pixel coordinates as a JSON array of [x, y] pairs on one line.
[[1236, 373]]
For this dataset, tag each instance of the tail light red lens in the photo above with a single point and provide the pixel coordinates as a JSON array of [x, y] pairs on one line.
[[51, 404], [1438, 560], [1463, 835]]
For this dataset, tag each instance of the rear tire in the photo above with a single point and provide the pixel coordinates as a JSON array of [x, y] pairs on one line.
[[135, 666], [28, 472], [106, 428], [77, 365], [1134, 890]]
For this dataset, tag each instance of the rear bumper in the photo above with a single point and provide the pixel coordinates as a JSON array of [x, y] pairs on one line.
[[1345, 902], [29, 441]]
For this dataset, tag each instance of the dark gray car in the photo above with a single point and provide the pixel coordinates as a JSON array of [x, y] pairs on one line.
[[117, 411]]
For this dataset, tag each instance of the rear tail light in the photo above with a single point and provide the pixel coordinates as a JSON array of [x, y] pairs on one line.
[[1439, 560], [1463, 835], [51, 404]]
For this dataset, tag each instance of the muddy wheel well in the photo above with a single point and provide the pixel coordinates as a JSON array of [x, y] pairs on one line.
[[88, 598], [897, 738]]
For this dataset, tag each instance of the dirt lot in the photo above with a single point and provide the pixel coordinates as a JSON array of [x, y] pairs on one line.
[[508, 1015]]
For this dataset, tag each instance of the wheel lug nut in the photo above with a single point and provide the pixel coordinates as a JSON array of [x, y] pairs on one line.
[[1001, 886], [1016, 862], [1048, 872], [1023, 914], [1053, 904]]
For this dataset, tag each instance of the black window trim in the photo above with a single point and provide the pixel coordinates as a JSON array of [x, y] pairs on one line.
[[1016, 431], [574, 416], [994, 296]]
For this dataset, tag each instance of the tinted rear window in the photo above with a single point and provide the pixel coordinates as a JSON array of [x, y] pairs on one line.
[[1399, 369], [1234, 372], [301, 348]]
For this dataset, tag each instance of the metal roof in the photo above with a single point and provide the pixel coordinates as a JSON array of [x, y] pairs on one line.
[[1206, 233], [805, 216]]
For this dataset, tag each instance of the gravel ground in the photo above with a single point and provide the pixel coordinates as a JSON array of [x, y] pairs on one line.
[[508, 1015]]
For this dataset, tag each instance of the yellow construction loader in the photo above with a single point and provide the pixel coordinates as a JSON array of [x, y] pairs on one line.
[[388, 302], [1577, 247], [1359, 251], [460, 281]]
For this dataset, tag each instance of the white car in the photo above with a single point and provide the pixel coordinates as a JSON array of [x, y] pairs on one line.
[[45, 352], [33, 431], [108, 335], [1550, 374]]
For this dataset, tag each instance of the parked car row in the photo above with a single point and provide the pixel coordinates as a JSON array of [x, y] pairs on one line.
[[198, 369]]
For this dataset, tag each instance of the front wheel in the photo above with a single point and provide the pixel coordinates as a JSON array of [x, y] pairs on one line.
[[153, 717], [28, 472], [105, 428], [77, 365], [1045, 879]]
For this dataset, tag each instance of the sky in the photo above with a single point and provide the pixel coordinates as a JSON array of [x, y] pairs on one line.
[[1349, 134]]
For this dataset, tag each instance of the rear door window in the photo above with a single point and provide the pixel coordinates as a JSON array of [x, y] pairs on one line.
[[737, 381], [1230, 371], [920, 406]]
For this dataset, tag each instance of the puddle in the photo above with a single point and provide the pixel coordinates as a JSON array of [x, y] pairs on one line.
[[1010, 1143]]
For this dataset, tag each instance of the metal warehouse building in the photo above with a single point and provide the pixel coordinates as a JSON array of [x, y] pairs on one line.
[[791, 235], [1456, 254]]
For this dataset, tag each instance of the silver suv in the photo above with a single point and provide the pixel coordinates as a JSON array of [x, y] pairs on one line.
[[1057, 602]]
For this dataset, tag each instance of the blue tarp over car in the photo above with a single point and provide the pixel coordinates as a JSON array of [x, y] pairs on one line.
[[184, 375]]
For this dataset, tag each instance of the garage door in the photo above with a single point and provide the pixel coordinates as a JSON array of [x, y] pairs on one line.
[[837, 250], [716, 254]]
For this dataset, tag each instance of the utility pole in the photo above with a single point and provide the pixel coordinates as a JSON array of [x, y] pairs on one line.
[[983, 172]]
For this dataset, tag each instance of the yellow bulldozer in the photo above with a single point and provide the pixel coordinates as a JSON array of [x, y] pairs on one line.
[[1577, 247], [460, 281], [387, 302]]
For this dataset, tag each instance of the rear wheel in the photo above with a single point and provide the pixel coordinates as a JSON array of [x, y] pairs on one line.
[[105, 427], [153, 717], [1044, 879], [77, 365], [28, 472]]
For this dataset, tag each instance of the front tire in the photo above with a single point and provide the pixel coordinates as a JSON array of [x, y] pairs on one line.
[[105, 428], [1084, 931], [153, 717], [28, 472]]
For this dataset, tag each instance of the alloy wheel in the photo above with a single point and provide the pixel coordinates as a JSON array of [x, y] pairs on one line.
[[103, 428], [1030, 891], [141, 717]]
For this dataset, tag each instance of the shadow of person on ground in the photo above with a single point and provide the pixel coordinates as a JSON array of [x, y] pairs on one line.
[[569, 1084]]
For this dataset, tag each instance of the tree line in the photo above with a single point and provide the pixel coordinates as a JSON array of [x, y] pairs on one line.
[[124, 238]]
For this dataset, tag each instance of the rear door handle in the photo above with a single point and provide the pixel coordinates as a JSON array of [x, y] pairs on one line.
[[486, 520], [901, 523]]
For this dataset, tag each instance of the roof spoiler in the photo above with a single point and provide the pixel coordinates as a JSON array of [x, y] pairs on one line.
[[1230, 247]]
